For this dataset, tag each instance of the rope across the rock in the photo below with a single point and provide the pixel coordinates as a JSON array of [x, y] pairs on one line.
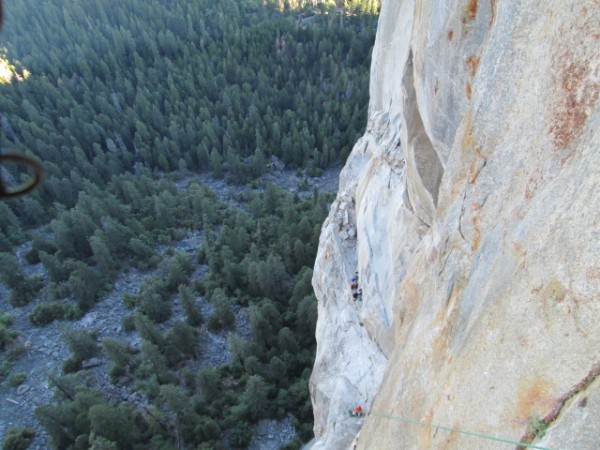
[[456, 430]]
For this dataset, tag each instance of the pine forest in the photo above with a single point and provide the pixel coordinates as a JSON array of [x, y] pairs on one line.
[[167, 130]]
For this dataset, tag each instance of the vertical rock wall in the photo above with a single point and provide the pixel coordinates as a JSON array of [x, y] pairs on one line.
[[470, 209]]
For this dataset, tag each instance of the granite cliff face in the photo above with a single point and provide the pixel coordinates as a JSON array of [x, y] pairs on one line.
[[471, 211]]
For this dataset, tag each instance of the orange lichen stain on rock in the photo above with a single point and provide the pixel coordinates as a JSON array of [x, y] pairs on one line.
[[523, 342], [411, 299], [450, 438], [576, 92], [456, 290], [533, 398], [426, 433], [521, 253], [533, 181], [473, 64], [445, 321], [470, 11], [467, 140], [531, 186], [473, 170], [468, 90], [476, 165], [593, 273], [578, 316], [554, 290], [477, 233], [518, 248], [328, 252], [450, 35], [441, 355]]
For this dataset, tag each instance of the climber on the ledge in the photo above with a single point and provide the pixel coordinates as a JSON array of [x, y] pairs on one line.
[[357, 412], [357, 295], [354, 282]]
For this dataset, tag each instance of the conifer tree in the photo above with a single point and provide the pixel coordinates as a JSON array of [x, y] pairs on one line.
[[11, 272], [57, 270], [209, 383], [82, 345], [86, 284], [181, 340], [118, 352], [256, 395], [148, 330], [102, 256], [192, 311], [113, 423], [155, 360]]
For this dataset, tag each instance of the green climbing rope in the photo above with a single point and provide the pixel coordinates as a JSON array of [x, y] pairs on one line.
[[456, 430]]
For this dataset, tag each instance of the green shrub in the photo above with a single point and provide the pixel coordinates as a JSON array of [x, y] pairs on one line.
[[72, 311], [15, 351], [115, 372], [39, 244], [206, 446], [129, 300], [32, 256], [294, 444], [539, 426], [240, 435], [157, 309], [189, 378], [71, 365], [82, 344], [303, 185], [18, 439], [6, 336], [5, 367], [209, 428], [83, 443], [153, 300], [25, 293], [56, 291], [16, 379], [305, 431], [6, 319], [46, 313], [128, 323], [144, 371]]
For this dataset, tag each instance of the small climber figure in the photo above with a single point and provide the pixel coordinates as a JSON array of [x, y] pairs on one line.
[[357, 411], [354, 282], [356, 292]]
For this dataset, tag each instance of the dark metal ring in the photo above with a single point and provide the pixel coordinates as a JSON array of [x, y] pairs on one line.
[[30, 185]]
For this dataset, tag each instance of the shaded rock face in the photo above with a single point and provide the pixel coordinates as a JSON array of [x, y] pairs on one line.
[[471, 211]]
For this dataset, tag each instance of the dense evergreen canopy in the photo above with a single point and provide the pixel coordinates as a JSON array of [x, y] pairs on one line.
[[203, 85]]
